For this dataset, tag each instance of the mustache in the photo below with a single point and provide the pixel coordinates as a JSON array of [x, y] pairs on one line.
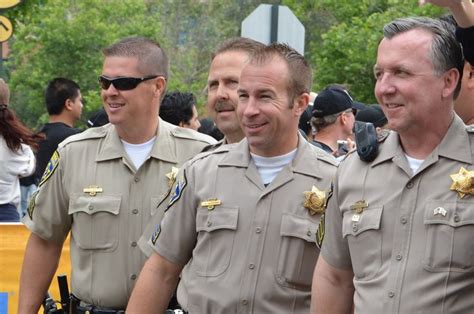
[[224, 105]]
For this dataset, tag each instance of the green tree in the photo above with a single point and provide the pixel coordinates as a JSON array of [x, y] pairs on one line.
[[346, 35], [65, 38]]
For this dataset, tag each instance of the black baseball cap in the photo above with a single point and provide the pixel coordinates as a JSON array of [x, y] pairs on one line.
[[330, 101], [373, 114]]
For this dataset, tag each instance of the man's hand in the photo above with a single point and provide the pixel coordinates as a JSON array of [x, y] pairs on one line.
[[462, 10]]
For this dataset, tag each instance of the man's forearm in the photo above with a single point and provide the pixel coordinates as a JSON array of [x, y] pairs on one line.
[[332, 290], [154, 287], [39, 265]]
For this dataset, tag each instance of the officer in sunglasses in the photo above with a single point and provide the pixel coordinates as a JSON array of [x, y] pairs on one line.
[[105, 184]]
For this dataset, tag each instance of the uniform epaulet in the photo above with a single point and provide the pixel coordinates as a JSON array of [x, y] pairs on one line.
[[470, 128], [212, 147], [219, 150], [382, 135], [192, 135], [326, 157], [88, 134]]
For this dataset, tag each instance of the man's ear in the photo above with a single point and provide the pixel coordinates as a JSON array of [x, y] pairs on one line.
[[68, 104], [300, 103], [160, 86], [451, 78]]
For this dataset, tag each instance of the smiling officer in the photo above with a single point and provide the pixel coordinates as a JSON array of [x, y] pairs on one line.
[[105, 184]]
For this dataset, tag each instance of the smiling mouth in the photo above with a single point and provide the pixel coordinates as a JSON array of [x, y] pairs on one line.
[[393, 106], [114, 105]]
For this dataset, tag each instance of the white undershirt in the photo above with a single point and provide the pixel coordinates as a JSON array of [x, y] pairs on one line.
[[269, 167], [138, 153], [414, 163]]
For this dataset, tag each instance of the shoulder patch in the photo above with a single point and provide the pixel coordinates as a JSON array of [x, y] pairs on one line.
[[321, 231], [32, 204], [178, 190], [156, 234], [50, 168]]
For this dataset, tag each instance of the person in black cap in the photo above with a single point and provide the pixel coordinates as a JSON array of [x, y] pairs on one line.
[[98, 118], [304, 125], [374, 115], [333, 119]]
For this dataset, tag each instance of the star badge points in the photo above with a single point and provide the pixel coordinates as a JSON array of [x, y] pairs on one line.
[[463, 182], [315, 201]]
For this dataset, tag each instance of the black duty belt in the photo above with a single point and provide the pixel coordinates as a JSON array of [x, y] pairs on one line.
[[80, 307]]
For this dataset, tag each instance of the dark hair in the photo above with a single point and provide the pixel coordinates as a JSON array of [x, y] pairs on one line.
[[446, 52], [177, 107], [11, 128], [299, 72], [152, 59], [237, 44], [57, 92], [208, 126]]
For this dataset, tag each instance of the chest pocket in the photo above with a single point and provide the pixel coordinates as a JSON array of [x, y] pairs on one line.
[[450, 230], [298, 252], [216, 233], [96, 221], [365, 241]]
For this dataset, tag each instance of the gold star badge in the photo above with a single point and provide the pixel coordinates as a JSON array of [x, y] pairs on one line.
[[172, 176], [315, 201], [463, 182]]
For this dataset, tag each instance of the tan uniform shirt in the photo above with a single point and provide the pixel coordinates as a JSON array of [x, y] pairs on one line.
[[254, 251], [105, 227], [411, 249]]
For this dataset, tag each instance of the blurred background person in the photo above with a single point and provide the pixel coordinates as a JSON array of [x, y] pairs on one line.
[[64, 104], [209, 127], [374, 115], [98, 118], [16, 157], [304, 125], [333, 120], [179, 108]]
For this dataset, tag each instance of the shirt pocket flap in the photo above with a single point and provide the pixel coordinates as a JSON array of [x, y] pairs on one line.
[[298, 227], [95, 204], [219, 218], [454, 214], [369, 219]]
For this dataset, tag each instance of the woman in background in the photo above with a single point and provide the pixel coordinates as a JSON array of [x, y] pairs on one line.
[[16, 157]]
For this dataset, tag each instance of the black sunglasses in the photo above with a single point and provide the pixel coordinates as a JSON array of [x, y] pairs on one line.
[[123, 83]]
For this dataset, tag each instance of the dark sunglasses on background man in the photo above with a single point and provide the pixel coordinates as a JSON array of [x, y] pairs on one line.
[[123, 83]]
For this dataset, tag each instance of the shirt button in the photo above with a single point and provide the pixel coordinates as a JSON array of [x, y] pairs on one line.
[[403, 220], [137, 179], [245, 302], [456, 218], [409, 185], [391, 294], [308, 233], [135, 211], [133, 277], [209, 223], [258, 230], [251, 266], [134, 244], [398, 257], [355, 228], [91, 207]]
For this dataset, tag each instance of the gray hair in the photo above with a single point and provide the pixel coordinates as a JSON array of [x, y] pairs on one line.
[[319, 123], [446, 52]]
